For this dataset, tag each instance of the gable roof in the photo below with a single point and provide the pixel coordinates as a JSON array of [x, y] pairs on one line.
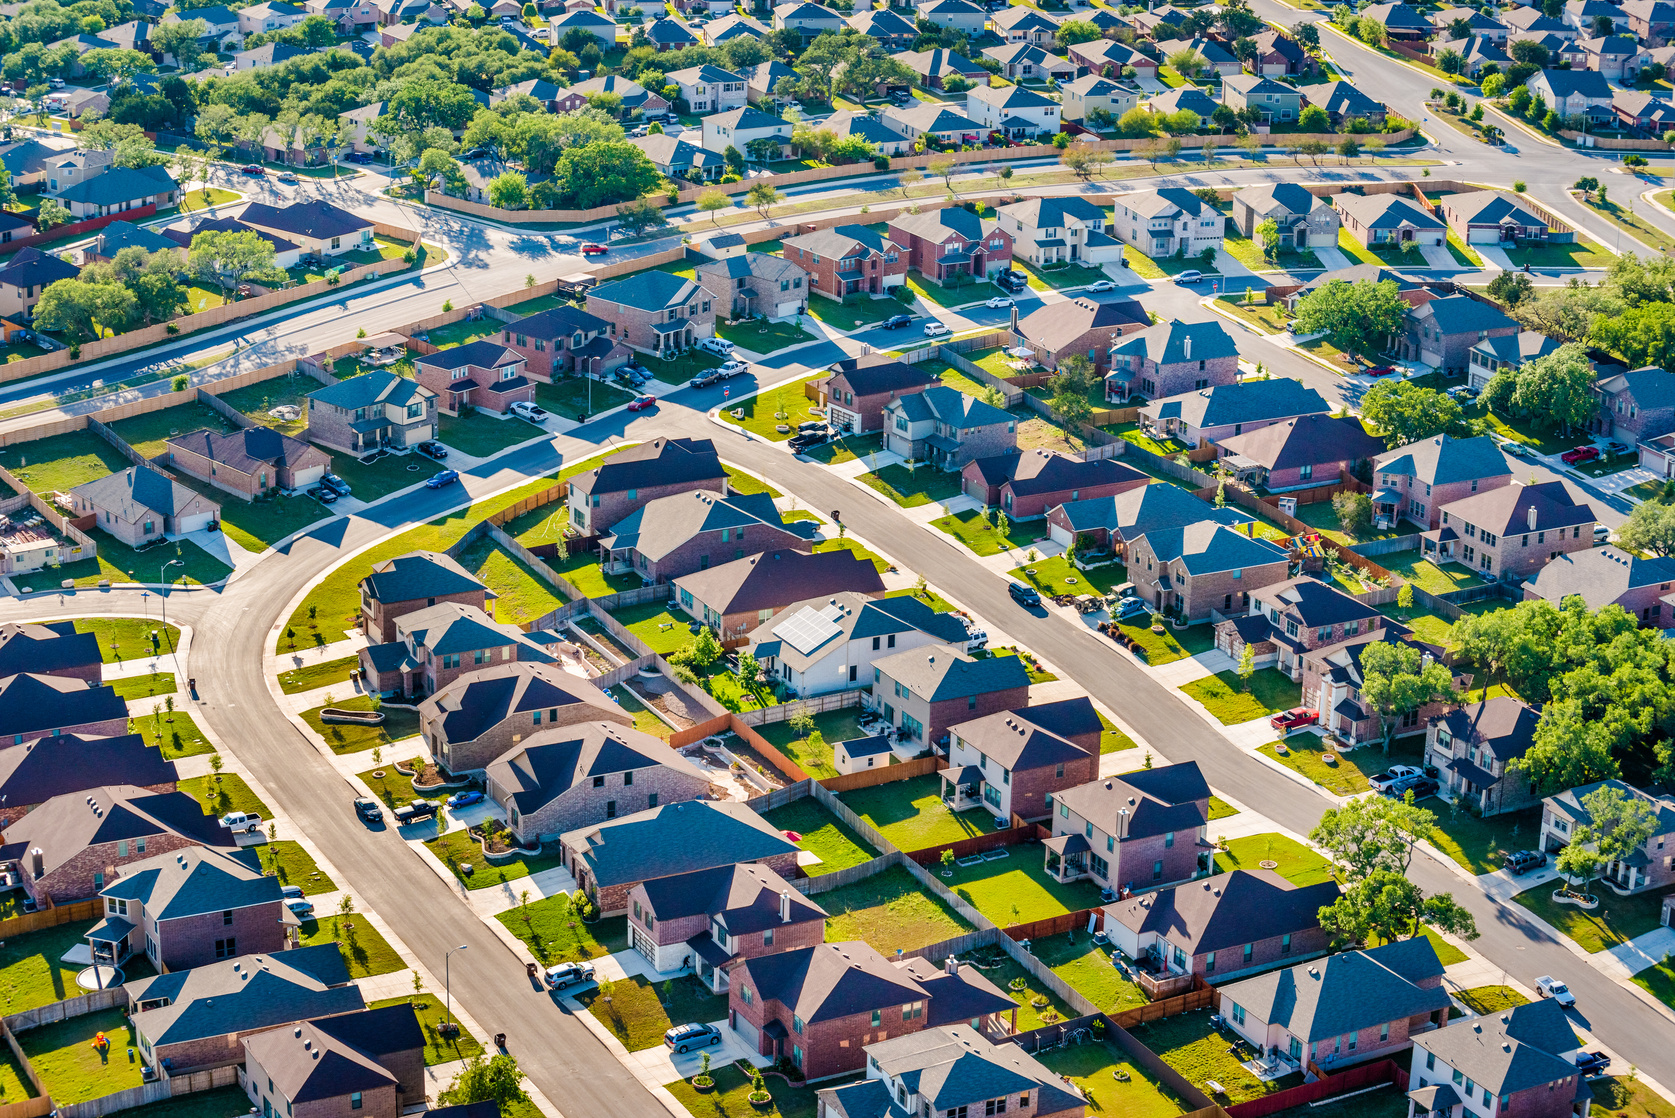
[[1228, 911], [1157, 801], [776, 580], [1314, 603], [46, 647], [1148, 508], [1517, 508], [1205, 547], [1286, 197], [336, 1056], [549, 763], [939, 672], [1171, 342], [675, 838], [483, 353], [659, 527], [1245, 401], [838, 242], [1159, 203], [1443, 459], [1461, 314], [1510, 1051], [1504, 724], [830, 981], [559, 322], [875, 374], [418, 574], [65, 826], [119, 235], [1385, 211], [1053, 212], [649, 290], [1599, 575], [475, 703], [949, 406], [32, 703], [191, 882], [245, 450], [252, 992], [132, 493], [36, 771], [31, 267], [847, 617], [1567, 83], [317, 219], [1038, 471], [450, 627], [1308, 440], [741, 898], [1015, 740], [375, 386], [950, 1066], [662, 461], [1346, 992], [120, 184]]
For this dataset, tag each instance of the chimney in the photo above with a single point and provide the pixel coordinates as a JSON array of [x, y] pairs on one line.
[[37, 863], [1186, 347], [1014, 317], [952, 965], [785, 906], [1532, 518]]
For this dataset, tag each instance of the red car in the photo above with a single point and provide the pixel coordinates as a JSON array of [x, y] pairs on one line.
[[1294, 718], [1579, 455], [641, 403], [1381, 370], [252, 169], [594, 250]]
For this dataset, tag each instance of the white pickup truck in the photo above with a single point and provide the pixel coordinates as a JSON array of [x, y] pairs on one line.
[[237, 821]]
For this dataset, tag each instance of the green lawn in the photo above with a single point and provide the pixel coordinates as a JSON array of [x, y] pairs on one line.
[[1297, 863], [663, 629], [1626, 1097], [258, 525], [177, 739], [571, 397], [1190, 1045], [1349, 773], [1447, 953], [638, 1011], [229, 792], [1086, 965], [762, 336], [833, 726], [70, 1069], [1633, 224], [1224, 696], [680, 368], [764, 413], [1412, 567], [294, 866], [748, 484], [1658, 980], [62, 462], [1113, 740], [129, 637], [462, 332], [394, 788], [582, 570], [839, 451], [457, 847], [1266, 319], [364, 950], [1092, 1069], [255, 401], [431, 1012], [912, 815], [119, 563], [1059, 575], [1484, 1000], [223, 1102], [821, 833], [889, 910], [945, 296], [1071, 275], [1172, 644], [1480, 845], [144, 686], [854, 312], [1321, 517], [850, 545], [912, 488], [522, 596], [1616, 920], [554, 933], [149, 433], [729, 1098], [326, 672], [483, 436], [979, 533], [1016, 889], [31, 973], [1583, 254], [1151, 267], [345, 737], [372, 481]]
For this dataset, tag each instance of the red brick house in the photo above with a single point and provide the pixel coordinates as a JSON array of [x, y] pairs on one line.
[[1171, 358], [1522, 1059], [38, 706], [692, 531], [734, 598], [189, 908], [436, 645], [484, 713], [632, 478], [397, 587], [848, 260], [959, 1071], [923, 691], [1027, 483], [820, 1006], [35, 772], [1013, 764], [1299, 453], [1332, 681], [1082, 326], [1293, 617], [1472, 748], [1142, 830], [1637, 405], [859, 388], [563, 340], [952, 241], [371, 1062], [50, 648], [481, 374], [1187, 572], [1413, 482], [654, 312], [1511, 532], [248, 463]]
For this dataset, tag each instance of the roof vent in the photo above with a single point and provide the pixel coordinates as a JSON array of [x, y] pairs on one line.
[[1477, 1026], [297, 1032], [1107, 786], [316, 1053], [1216, 891], [1314, 972], [1505, 1046]]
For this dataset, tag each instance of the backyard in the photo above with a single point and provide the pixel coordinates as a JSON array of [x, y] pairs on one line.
[[764, 413], [822, 834], [654, 623], [814, 757], [32, 973], [1092, 1069], [150, 432], [71, 1068], [911, 814], [352, 738], [1192, 1046], [1015, 889], [1428, 576], [522, 596], [912, 488], [638, 1011], [889, 910], [1086, 965], [457, 848], [1293, 861], [62, 462], [1224, 695]]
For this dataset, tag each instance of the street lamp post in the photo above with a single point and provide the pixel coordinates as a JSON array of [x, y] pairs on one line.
[[447, 984], [163, 590]]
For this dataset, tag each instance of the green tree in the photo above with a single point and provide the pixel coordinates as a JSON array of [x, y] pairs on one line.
[[1397, 679], [82, 310], [229, 258], [1354, 512], [1643, 335], [1404, 412], [1649, 527], [1070, 389], [1511, 288], [1618, 824], [1358, 317], [1247, 666], [508, 190], [182, 40], [605, 173], [1187, 62], [497, 1079], [1372, 834], [1568, 749], [1268, 232], [763, 196], [1314, 119], [158, 295], [712, 201], [1555, 391], [1388, 906], [944, 169], [1073, 31], [52, 212]]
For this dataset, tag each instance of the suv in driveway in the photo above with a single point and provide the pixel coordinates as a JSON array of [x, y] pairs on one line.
[[1523, 861], [684, 1037], [557, 978]]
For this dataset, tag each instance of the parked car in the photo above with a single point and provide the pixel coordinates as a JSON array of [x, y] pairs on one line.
[[557, 978], [357, 157], [290, 892], [716, 345], [1592, 1063], [254, 170], [935, 329], [475, 153], [707, 378], [237, 821], [1615, 449], [438, 480], [641, 403], [415, 811], [1549, 987], [1023, 594], [1102, 285], [287, 177], [1380, 370], [323, 495], [1523, 861], [594, 250], [369, 811], [732, 367], [1463, 392], [430, 448], [1129, 608], [1579, 455], [466, 798], [301, 908], [896, 321], [532, 412], [1294, 718], [1424, 786], [1515, 448], [1000, 301], [1011, 281], [1393, 774], [1601, 533], [336, 485], [1191, 275], [804, 440], [683, 1037]]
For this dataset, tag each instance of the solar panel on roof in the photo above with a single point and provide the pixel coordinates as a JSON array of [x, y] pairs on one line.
[[809, 628]]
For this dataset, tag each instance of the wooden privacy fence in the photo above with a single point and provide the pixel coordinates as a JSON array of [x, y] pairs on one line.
[[1057, 925], [976, 844], [49, 918], [816, 704], [1202, 998], [1358, 1078], [889, 774], [90, 1002]]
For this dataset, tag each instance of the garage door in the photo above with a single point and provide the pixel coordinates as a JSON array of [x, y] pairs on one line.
[[309, 476], [745, 1030], [1060, 535], [195, 523], [785, 310]]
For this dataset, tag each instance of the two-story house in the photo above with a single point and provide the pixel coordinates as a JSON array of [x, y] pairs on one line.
[[1110, 523], [1290, 618], [1649, 868], [1606, 576], [1050, 230], [1510, 532], [933, 67], [189, 907], [1083, 326], [811, 20], [1413, 482], [860, 126], [859, 388], [627, 480], [1344, 103], [735, 598], [1024, 25], [25, 276], [1274, 102], [689, 531], [1473, 748], [436, 645], [1636, 406], [375, 409], [50, 648], [923, 691], [400, 586], [957, 15], [1493, 354], [1132, 833], [482, 374], [708, 920], [1010, 765], [562, 340], [481, 715], [738, 128], [1574, 92], [1651, 21], [1279, 55], [952, 1069], [848, 260], [1171, 358], [654, 312], [1299, 453], [1014, 111], [36, 706], [946, 428], [1209, 415], [1187, 572], [372, 1062], [1033, 63], [1172, 221], [1089, 93], [1333, 678], [1025, 484], [828, 642], [1215, 53], [1522, 1061], [636, 98], [1302, 218], [755, 283], [895, 31], [952, 241], [709, 89], [1109, 57]]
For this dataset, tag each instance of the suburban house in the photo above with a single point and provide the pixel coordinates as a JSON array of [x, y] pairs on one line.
[[483, 714], [734, 598], [39, 706], [1273, 102], [1512, 531], [739, 128], [1050, 230], [1411, 290], [829, 642], [482, 374], [1635, 406], [561, 340], [952, 241], [1278, 55], [316, 227], [1618, 57], [248, 463], [1605, 576], [187, 908], [1169, 222], [1413, 482], [959, 15], [120, 189], [932, 120], [810, 19], [1171, 358], [1209, 415], [1024, 25], [1574, 92], [679, 159], [1133, 833], [946, 428], [1524, 1059], [1481, 25], [1204, 566], [1401, 21], [28, 273], [436, 645], [1475, 53], [1490, 217], [761, 78], [636, 98], [1493, 354], [1650, 20], [708, 89], [859, 126], [609, 859], [754, 283], [1108, 57], [195, 1019], [628, 480], [119, 235], [708, 920], [1221, 928], [1299, 453], [1083, 325], [1651, 867], [1304, 219], [1345, 1008], [1092, 93], [1344, 103], [400, 586], [1217, 58], [654, 312], [688, 531], [923, 691], [376, 409], [139, 504], [1292, 617], [1647, 114], [1186, 97], [558, 779], [1333, 680], [935, 66], [1472, 747], [819, 1005], [1025, 484], [1031, 63], [1013, 111], [887, 26], [955, 1069], [1108, 523], [1387, 219], [1012, 766], [50, 648], [372, 1061], [847, 260]]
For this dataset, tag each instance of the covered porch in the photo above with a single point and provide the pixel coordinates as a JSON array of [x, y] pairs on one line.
[[962, 788], [1066, 858], [1442, 545], [712, 962]]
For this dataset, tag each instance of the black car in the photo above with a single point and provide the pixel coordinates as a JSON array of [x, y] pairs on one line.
[[1592, 1063], [323, 495], [430, 448], [369, 810], [357, 157], [335, 484], [1023, 595], [896, 321], [1423, 787], [475, 153], [808, 439], [415, 811]]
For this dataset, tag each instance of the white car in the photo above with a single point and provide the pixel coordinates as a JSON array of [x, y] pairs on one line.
[[1102, 285], [716, 345], [999, 302], [531, 412], [934, 329], [1549, 987], [1392, 775], [733, 367]]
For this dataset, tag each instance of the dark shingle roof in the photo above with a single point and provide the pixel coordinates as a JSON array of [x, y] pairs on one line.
[[135, 491], [742, 899], [774, 580], [1346, 992], [1504, 724], [1165, 799], [1600, 575], [874, 375], [245, 450], [1057, 325], [1246, 401], [191, 882], [46, 648], [1149, 508], [939, 672], [1226, 911], [1309, 440], [1014, 739], [1443, 459], [418, 574], [119, 184], [32, 703], [318, 220], [1169, 343], [1461, 314], [33, 268], [475, 703], [661, 461], [65, 826], [650, 290], [377, 386], [248, 993], [36, 771], [336, 1056], [482, 353], [548, 763], [1508, 1052], [676, 838]]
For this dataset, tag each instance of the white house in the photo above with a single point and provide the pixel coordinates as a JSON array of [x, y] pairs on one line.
[[828, 644], [1168, 221], [738, 127], [1014, 110]]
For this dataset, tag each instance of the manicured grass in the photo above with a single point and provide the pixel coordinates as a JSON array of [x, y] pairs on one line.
[[1583, 254], [823, 834], [1633, 224], [294, 866], [177, 739], [1224, 696], [62, 462], [223, 1102], [1016, 889], [570, 397], [944, 296], [1447, 953], [364, 950], [1357, 252], [644, 720], [1092, 1069], [149, 432], [663, 629], [761, 336], [462, 332], [1152, 267], [229, 793], [638, 1012], [1266, 319], [118, 563], [850, 545], [839, 451], [1659, 981], [1351, 771], [554, 933], [31, 973], [1071, 275], [522, 596], [1321, 517], [729, 1098], [143, 686], [763, 413], [1297, 863], [748, 484], [582, 570], [1172, 644], [458, 847], [1480, 845], [817, 760], [484, 436], [1190, 1045], [125, 638], [1463, 254], [978, 531], [1220, 808], [394, 788], [376, 480], [889, 910], [1616, 920], [1380, 1102], [1086, 965], [680, 368], [1113, 740], [310, 676], [431, 1012], [857, 311], [255, 401], [1058, 575], [911, 814], [912, 488], [1484, 1000], [1001, 970], [1625, 1097], [349, 738], [70, 1068], [259, 525], [1413, 567], [957, 380]]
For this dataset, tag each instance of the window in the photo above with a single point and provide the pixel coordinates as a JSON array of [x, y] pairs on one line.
[[1248, 952], [995, 1106], [610, 809], [877, 1018], [227, 918], [796, 1024], [1238, 1014], [1384, 1032], [746, 996], [1157, 871], [354, 1100], [1168, 839], [1210, 963], [767, 936], [599, 782], [224, 948]]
